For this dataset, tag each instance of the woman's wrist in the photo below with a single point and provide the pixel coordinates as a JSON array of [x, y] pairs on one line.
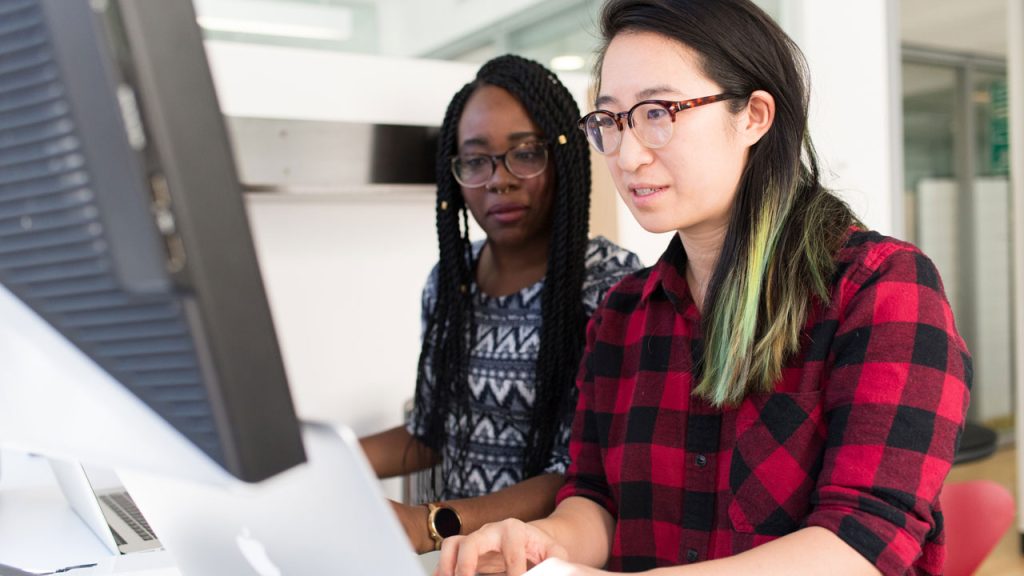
[[414, 521]]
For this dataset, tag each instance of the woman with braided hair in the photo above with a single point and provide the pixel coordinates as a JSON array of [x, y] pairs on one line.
[[504, 317]]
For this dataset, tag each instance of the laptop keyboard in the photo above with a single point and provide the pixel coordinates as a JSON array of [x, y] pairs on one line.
[[123, 505]]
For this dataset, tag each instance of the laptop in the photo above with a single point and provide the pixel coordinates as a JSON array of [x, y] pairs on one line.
[[105, 507], [327, 516]]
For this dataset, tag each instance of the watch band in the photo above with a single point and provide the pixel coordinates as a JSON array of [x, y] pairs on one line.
[[442, 521]]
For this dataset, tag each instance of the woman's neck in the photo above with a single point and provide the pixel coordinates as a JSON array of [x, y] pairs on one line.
[[501, 271], [702, 250]]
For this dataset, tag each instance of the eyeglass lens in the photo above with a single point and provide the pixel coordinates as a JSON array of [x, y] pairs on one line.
[[524, 160], [652, 125]]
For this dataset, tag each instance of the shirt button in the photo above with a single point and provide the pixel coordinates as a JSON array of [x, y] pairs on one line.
[[701, 460], [691, 555]]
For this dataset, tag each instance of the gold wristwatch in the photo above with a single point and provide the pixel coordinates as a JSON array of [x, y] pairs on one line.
[[442, 521]]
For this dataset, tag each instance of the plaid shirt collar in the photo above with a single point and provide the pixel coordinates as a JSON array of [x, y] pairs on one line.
[[668, 277]]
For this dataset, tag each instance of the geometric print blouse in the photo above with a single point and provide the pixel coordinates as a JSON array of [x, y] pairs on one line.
[[502, 377]]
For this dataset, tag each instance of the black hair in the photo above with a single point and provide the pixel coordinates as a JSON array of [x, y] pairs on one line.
[[785, 227], [446, 342]]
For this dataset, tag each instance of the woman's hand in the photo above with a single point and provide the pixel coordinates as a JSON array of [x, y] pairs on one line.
[[414, 521], [509, 546]]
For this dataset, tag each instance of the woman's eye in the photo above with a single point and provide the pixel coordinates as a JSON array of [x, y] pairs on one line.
[[657, 113], [474, 162]]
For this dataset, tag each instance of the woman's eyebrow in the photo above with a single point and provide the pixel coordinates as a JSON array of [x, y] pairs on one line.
[[474, 142], [645, 94], [648, 93], [523, 135], [514, 137]]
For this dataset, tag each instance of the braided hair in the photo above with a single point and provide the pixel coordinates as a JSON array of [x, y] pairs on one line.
[[450, 326]]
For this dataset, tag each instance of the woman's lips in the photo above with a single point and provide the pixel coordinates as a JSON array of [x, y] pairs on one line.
[[644, 193], [507, 213], [646, 190]]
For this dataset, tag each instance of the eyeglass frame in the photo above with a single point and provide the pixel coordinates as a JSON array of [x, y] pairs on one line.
[[672, 106], [504, 161]]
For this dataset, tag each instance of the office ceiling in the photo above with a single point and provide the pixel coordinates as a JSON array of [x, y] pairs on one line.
[[971, 27]]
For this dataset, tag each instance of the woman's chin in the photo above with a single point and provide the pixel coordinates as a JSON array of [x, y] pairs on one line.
[[654, 226]]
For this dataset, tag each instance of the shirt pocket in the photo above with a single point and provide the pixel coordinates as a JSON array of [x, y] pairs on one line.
[[775, 461]]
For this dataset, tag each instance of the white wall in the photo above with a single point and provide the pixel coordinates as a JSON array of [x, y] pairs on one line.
[[297, 83], [343, 268], [852, 50], [344, 276]]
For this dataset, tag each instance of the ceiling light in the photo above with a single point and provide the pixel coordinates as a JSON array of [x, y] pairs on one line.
[[270, 29], [567, 62], [272, 18]]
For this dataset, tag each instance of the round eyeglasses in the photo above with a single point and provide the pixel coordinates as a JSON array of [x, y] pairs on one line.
[[524, 160], [650, 120]]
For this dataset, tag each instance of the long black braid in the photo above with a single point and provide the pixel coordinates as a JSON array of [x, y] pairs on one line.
[[446, 342]]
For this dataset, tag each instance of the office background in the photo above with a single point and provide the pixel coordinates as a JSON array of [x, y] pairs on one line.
[[332, 105], [911, 114]]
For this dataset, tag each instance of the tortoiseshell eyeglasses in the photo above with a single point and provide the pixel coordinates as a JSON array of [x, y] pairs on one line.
[[650, 120]]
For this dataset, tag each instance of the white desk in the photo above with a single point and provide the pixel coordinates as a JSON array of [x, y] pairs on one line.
[[40, 533]]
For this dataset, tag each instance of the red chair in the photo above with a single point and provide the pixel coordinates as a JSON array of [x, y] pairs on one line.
[[977, 513]]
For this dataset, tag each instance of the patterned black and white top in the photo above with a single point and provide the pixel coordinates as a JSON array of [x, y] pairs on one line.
[[501, 376]]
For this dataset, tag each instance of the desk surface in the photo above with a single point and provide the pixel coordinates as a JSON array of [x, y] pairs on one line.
[[38, 530], [40, 533]]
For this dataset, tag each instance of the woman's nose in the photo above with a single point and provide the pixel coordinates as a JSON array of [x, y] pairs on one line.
[[501, 180], [632, 154]]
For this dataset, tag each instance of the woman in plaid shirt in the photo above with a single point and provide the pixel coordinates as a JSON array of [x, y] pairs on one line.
[[783, 392]]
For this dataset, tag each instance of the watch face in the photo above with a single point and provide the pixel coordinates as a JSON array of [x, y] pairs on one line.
[[447, 522]]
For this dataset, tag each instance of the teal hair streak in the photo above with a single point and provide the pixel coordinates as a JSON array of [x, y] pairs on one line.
[[732, 341]]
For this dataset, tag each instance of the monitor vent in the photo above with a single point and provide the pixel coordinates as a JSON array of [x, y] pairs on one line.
[[53, 249]]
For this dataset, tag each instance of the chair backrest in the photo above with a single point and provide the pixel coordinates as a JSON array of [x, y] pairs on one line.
[[976, 513], [416, 485]]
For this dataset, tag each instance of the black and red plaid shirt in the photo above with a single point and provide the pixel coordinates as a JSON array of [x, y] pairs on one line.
[[857, 437]]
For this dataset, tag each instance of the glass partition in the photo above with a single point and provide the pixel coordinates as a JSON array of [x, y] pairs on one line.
[[956, 168]]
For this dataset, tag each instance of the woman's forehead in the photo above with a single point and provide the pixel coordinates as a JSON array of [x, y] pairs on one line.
[[642, 65], [493, 114]]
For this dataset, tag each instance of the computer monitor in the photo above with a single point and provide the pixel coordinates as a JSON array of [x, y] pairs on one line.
[[134, 327]]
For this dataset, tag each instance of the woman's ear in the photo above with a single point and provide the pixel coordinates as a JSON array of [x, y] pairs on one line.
[[757, 117]]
